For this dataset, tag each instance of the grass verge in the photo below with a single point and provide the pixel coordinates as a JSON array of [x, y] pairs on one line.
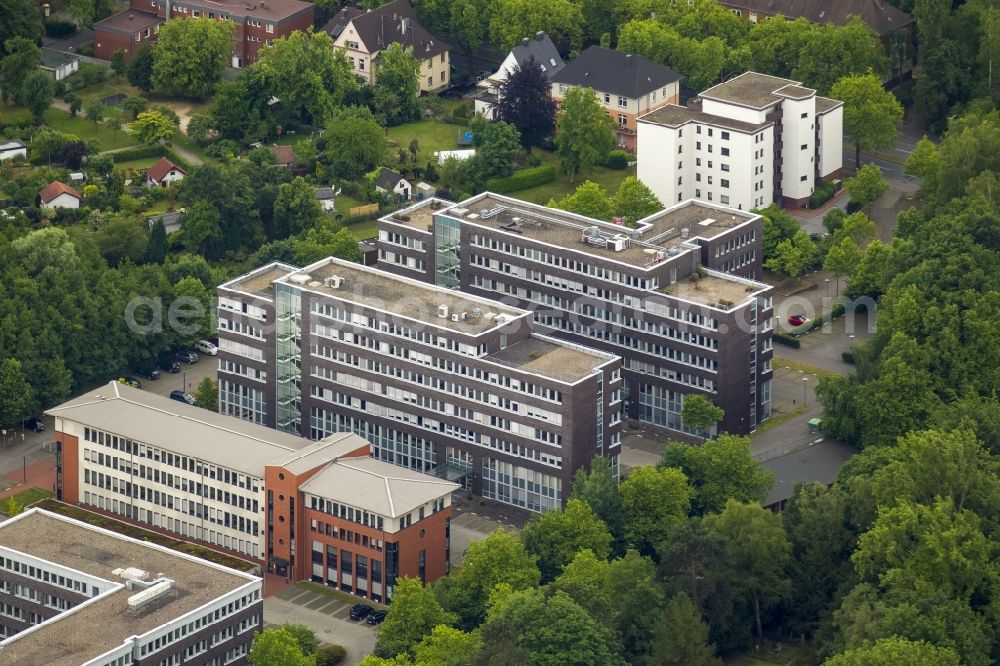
[[609, 179], [364, 230], [136, 532], [802, 367], [337, 594], [779, 419], [26, 498], [110, 138]]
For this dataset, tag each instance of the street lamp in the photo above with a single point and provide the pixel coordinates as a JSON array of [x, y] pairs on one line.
[[805, 391], [827, 287]]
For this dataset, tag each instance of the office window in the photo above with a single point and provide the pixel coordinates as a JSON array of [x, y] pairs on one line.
[[710, 131], [607, 98], [805, 146], [805, 115], [724, 199], [709, 147], [680, 164], [725, 136], [697, 129], [679, 179], [697, 145], [724, 182], [724, 151], [725, 167], [697, 177], [709, 180], [803, 179], [697, 161], [680, 196], [709, 196], [697, 194]]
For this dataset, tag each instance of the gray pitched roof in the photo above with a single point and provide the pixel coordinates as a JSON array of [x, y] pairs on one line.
[[336, 25], [52, 59], [378, 28], [323, 193], [387, 179], [12, 144], [377, 486], [617, 73], [199, 433], [879, 15], [545, 53]]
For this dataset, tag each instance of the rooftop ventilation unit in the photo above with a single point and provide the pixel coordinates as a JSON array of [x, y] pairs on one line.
[[443, 311], [477, 312], [300, 278], [131, 573], [459, 211], [619, 242], [502, 319], [333, 281], [685, 232], [454, 316], [152, 593]]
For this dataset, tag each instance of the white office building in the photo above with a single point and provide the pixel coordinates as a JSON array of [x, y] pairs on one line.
[[746, 143]]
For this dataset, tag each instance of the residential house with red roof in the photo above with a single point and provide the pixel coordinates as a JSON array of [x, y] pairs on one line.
[[283, 155], [59, 195], [163, 173]]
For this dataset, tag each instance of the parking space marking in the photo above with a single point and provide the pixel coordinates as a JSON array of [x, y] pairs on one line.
[[318, 602]]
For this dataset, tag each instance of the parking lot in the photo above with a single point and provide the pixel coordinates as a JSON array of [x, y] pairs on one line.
[[188, 378], [326, 615]]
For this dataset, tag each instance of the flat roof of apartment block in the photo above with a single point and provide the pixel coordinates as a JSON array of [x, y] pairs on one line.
[[401, 296], [419, 216], [199, 433], [713, 289], [756, 90], [670, 230], [106, 621], [551, 358], [673, 115], [259, 280]]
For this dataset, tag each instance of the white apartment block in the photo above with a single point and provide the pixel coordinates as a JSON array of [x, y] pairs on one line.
[[746, 143]]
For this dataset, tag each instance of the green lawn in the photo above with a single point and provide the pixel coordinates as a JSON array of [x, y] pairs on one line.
[[345, 203], [112, 86], [181, 139], [26, 498], [157, 208], [364, 230], [141, 163], [609, 179], [432, 135], [87, 129]]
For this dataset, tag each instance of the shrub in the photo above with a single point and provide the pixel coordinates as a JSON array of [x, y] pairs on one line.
[[787, 340], [330, 655], [617, 160], [848, 357], [853, 207], [56, 28], [91, 73], [823, 193], [522, 180]]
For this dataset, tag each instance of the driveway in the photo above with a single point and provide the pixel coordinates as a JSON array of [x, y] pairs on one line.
[[326, 615], [72, 43]]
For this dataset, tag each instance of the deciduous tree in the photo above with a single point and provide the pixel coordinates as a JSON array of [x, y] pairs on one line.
[[152, 127], [555, 537], [140, 71], [524, 99], [598, 487], [207, 397], [871, 114], [413, 614], [296, 208], [793, 255], [190, 56], [497, 145], [446, 646], [21, 59], [589, 199], [634, 201], [584, 133], [719, 470], [202, 231], [277, 647], [396, 93], [653, 501], [19, 18], [700, 414], [514, 20], [682, 636], [867, 186], [895, 651], [354, 141], [15, 392]]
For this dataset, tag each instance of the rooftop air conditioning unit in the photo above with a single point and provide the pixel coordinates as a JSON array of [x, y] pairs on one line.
[[464, 316], [619, 242], [333, 281], [443, 311], [685, 232], [454, 317], [477, 312], [502, 319]]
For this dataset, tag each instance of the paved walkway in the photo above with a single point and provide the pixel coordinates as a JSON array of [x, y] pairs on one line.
[[324, 614], [41, 474]]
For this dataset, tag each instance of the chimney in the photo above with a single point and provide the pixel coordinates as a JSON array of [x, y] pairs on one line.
[[404, 24]]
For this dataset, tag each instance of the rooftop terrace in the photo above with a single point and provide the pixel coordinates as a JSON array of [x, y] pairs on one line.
[[81, 634], [672, 229], [401, 296], [565, 362]]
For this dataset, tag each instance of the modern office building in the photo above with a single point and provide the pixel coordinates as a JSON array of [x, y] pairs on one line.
[[251, 491], [72, 594], [439, 382], [746, 143], [675, 296]]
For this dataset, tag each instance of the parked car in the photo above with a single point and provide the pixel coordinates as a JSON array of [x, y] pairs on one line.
[[34, 425], [206, 347], [148, 373], [182, 396], [131, 381], [377, 617], [360, 611], [170, 365], [797, 320], [186, 356]]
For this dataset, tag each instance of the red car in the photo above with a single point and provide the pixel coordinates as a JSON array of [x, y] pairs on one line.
[[797, 320]]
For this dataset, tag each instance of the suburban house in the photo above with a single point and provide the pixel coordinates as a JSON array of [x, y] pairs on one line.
[[896, 29], [364, 35], [257, 23], [59, 65], [326, 198], [389, 182], [11, 149], [626, 85], [745, 143], [163, 173], [59, 195], [546, 56], [283, 155]]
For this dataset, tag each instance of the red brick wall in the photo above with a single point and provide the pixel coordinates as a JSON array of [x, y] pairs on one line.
[[107, 42], [70, 467], [432, 541]]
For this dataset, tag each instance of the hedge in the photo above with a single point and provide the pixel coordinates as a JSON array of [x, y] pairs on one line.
[[143, 152], [823, 193], [617, 160], [786, 339], [838, 311], [522, 180], [57, 28]]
